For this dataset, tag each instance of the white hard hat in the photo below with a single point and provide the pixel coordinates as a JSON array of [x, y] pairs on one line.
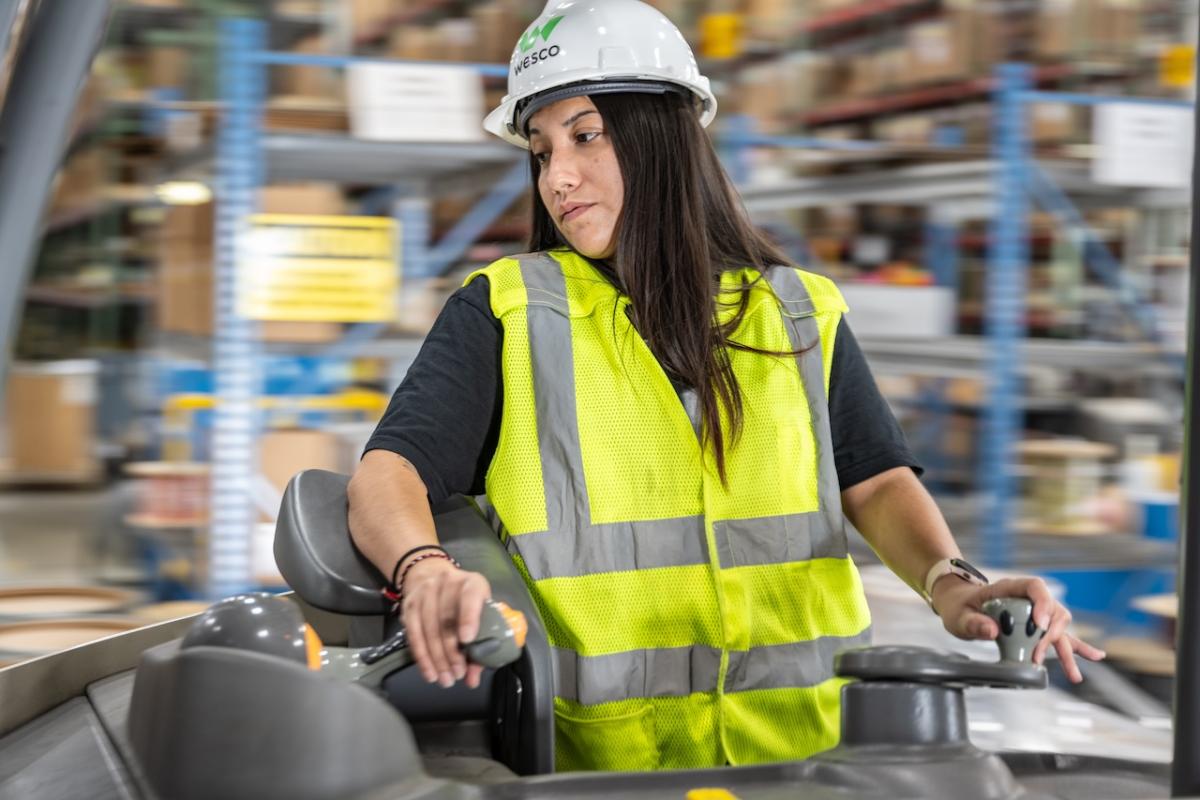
[[581, 47]]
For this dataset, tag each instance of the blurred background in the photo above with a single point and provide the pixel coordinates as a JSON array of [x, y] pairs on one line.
[[1012, 241]]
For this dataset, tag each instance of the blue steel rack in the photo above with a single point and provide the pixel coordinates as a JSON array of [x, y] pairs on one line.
[[241, 169], [1019, 179]]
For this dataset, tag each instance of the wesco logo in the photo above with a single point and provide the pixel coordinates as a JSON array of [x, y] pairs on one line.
[[534, 57]]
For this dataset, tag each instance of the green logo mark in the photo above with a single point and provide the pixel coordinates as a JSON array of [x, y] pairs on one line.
[[530, 38]]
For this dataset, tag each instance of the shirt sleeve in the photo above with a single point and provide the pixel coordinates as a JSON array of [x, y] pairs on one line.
[[867, 439], [445, 415]]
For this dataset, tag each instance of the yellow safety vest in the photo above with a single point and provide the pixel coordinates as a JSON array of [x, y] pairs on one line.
[[693, 624]]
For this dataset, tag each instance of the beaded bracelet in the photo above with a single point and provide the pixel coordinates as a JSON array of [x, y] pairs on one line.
[[396, 595], [393, 585]]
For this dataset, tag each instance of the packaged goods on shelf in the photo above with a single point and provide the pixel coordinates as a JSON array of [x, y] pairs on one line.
[[302, 198], [906, 129], [167, 67], [368, 18], [184, 274], [761, 94], [81, 180], [415, 43], [1099, 29], [905, 311], [1056, 122], [771, 20], [1063, 483], [957, 46], [415, 102], [309, 81], [51, 415], [498, 23], [722, 35], [283, 453]]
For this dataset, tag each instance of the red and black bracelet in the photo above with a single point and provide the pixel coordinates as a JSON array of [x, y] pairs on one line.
[[394, 591]]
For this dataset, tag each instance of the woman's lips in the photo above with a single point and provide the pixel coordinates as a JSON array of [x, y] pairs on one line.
[[575, 212]]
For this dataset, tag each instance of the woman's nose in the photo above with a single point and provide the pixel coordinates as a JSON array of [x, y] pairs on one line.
[[564, 172]]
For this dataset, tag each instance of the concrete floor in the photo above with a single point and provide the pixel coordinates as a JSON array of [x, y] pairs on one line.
[[64, 536]]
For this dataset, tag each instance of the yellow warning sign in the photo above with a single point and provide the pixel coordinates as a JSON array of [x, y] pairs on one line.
[[1177, 66], [305, 268]]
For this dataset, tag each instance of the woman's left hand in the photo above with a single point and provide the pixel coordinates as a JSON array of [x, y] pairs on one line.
[[959, 604]]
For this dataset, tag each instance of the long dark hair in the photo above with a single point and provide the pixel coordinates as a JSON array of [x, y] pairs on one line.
[[681, 226]]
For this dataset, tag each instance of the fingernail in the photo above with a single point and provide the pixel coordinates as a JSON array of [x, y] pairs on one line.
[[429, 677], [447, 680], [460, 672], [1043, 622]]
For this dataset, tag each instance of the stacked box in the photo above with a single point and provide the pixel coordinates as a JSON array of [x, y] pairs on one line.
[[51, 413], [184, 277], [1104, 29], [309, 81], [185, 271]]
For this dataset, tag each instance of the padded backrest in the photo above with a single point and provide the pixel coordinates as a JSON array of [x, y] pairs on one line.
[[314, 551], [319, 561]]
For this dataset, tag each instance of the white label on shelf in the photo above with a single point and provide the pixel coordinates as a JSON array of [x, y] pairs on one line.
[[1142, 145], [870, 249], [78, 390], [415, 102]]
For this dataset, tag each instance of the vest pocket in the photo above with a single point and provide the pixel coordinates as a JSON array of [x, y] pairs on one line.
[[625, 742]]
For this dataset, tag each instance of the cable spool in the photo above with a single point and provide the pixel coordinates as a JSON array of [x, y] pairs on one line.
[[169, 494], [1064, 477]]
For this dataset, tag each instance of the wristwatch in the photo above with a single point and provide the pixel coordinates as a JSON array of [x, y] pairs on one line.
[[951, 566]]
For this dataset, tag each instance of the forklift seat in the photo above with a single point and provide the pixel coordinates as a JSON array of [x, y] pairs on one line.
[[510, 717]]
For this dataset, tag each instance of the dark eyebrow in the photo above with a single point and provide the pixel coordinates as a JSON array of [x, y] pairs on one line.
[[568, 122], [585, 112]]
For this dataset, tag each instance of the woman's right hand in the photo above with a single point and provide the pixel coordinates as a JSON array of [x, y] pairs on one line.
[[441, 609]]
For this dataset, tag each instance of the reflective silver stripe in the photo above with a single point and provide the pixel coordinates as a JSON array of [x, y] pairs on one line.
[[680, 671], [614, 547], [801, 325], [788, 666], [667, 672], [553, 365], [572, 545], [776, 540]]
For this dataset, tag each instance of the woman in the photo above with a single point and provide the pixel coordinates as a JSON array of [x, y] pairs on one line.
[[669, 423]]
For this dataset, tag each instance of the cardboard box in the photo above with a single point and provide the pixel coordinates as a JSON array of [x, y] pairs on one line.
[[369, 18], [770, 20], [302, 198], [310, 81], [958, 46], [167, 67], [184, 276], [186, 259], [1107, 29], [283, 453], [498, 24], [1055, 122], [51, 410]]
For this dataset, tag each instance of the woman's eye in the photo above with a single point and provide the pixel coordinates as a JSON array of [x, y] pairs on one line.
[[584, 138], [541, 158]]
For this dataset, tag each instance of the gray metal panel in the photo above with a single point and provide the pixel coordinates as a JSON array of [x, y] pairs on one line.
[[62, 755], [34, 126], [348, 160], [210, 722], [34, 687]]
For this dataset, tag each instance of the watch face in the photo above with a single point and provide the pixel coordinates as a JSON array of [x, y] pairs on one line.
[[966, 567]]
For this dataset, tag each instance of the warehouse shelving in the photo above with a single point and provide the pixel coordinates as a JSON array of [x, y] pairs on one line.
[[961, 188]]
